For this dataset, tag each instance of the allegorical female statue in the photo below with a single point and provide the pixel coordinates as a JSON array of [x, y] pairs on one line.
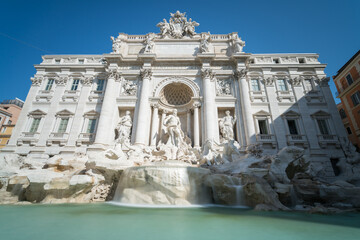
[[124, 128], [226, 125]]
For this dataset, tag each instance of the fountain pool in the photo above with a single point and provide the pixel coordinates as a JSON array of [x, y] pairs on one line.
[[106, 221]]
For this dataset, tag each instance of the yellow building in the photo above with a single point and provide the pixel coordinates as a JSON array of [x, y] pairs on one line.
[[9, 113]]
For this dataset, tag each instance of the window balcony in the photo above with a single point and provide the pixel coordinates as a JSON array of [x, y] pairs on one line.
[[328, 139], [96, 95], [59, 138], [254, 95], [44, 96], [71, 95], [30, 138], [266, 139], [297, 140], [85, 138]]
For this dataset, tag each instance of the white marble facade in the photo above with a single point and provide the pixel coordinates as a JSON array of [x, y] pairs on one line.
[[76, 101]]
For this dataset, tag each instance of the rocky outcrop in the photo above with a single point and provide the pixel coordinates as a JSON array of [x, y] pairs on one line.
[[224, 189], [178, 184]]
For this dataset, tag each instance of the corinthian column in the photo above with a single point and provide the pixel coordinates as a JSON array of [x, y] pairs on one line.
[[246, 106], [154, 125], [143, 121], [105, 131], [196, 126], [211, 128]]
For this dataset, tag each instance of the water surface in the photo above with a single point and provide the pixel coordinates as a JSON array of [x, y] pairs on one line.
[[105, 221]]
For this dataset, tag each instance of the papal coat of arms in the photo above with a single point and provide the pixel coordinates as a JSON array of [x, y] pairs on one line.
[[178, 26]]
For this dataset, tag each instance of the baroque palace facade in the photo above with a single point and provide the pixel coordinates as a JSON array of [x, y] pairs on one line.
[[274, 100]]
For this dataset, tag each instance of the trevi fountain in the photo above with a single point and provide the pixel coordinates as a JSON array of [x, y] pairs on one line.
[[179, 135]]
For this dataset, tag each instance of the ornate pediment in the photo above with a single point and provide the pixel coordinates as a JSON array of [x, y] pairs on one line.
[[262, 113], [63, 113], [320, 114], [290, 113], [91, 113], [178, 26], [37, 113]]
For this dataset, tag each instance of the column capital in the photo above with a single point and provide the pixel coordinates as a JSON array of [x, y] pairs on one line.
[[208, 73], [37, 80], [197, 105], [114, 73], [87, 81], [269, 81], [240, 73], [61, 80], [296, 81], [324, 82], [154, 105], [146, 73]]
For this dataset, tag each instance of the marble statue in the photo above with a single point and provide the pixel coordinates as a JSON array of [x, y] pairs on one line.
[[210, 155], [173, 129], [116, 44], [149, 43], [123, 128], [178, 26], [205, 43], [165, 28], [231, 151], [226, 125], [189, 27], [237, 43]]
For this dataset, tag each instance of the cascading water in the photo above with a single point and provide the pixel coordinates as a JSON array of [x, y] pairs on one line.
[[170, 184]]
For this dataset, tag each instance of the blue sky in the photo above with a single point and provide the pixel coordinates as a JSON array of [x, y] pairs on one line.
[[30, 29]]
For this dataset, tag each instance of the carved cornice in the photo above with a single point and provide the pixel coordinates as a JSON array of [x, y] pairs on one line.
[[145, 73], [208, 73], [37, 80], [61, 80], [238, 74], [114, 74]]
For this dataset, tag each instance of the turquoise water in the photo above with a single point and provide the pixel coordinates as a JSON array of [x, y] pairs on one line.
[[105, 221]]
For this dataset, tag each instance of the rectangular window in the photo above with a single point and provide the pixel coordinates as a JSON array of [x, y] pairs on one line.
[[49, 84], [255, 85], [100, 85], [355, 98], [292, 127], [282, 85], [342, 113], [263, 127], [75, 85], [63, 125], [349, 79], [348, 130], [81, 61], [3, 129], [91, 126], [35, 125], [323, 127]]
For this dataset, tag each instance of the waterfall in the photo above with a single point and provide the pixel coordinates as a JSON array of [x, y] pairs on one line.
[[163, 185], [236, 184]]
